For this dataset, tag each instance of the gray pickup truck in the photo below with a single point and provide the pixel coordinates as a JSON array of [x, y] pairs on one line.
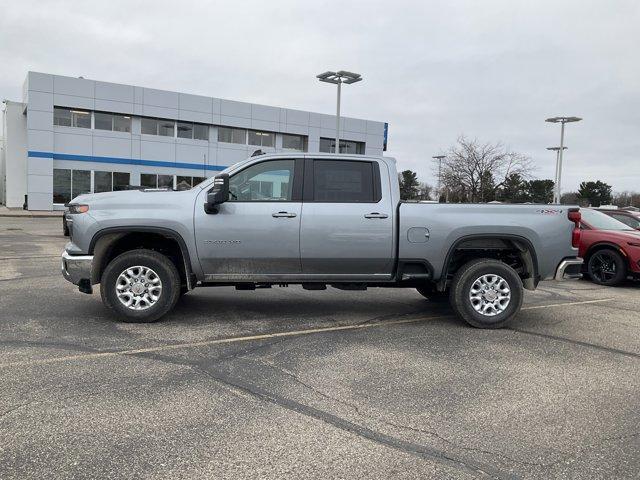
[[314, 220]]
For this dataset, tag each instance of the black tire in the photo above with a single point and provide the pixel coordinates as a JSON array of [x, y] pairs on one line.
[[161, 265], [474, 271], [607, 267], [430, 293], [65, 227]]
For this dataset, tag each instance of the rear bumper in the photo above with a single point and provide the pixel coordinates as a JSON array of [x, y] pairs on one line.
[[76, 268], [569, 268]]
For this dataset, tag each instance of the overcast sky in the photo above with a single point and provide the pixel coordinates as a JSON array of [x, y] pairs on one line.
[[434, 70]]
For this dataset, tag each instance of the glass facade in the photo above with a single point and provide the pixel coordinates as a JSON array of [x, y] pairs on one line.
[[68, 184], [116, 122]]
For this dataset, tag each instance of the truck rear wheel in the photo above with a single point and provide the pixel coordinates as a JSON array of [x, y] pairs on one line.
[[140, 286], [486, 293]]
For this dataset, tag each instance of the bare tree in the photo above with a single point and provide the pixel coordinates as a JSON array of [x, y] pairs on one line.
[[627, 199], [474, 172], [424, 191]]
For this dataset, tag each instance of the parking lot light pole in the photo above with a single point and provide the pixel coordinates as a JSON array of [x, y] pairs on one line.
[[439, 158], [555, 181], [561, 121], [339, 78]]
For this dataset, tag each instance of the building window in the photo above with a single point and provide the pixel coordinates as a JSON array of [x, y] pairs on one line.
[[68, 184], [71, 117], [293, 142], [166, 128], [62, 117], [261, 139], [112, 121], [121, 180], [328, 145], [200, 131], [232, 135], [61, 185], [185, 183], [80, 182], [196, 131], [185, 130], [149, 126], [102, 182], [165, 181], [156, 126], [110, 181], [153, 180], [149, 180]]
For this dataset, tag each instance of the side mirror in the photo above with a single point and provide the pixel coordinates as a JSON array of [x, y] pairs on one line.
[[219, 194]]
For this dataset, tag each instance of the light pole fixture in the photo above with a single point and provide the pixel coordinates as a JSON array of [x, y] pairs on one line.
[[561, 121], [339, 78], [439, 158], [555, 180]]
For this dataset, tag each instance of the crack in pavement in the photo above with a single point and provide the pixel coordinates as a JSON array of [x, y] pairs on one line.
[[594, 346], [21, 406], [432, 433], [238, 385], [353, 428]]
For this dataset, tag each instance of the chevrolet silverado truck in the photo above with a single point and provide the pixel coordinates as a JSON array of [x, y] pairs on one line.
[[314, 220]]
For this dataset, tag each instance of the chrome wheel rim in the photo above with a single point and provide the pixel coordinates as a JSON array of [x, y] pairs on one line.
[[490, 295], [138, 287]]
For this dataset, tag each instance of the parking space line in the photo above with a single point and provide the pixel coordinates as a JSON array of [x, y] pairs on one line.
[[264, 336], [568, 304]]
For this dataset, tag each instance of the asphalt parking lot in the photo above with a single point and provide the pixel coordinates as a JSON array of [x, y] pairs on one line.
[[290, 383]]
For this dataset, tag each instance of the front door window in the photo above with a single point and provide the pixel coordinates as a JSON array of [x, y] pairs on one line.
[[270, 181]]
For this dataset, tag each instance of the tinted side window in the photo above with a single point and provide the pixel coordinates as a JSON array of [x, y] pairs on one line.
[[343, 181]]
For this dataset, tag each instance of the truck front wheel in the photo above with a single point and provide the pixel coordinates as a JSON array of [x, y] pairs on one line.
[[486, 293], [140, 286]]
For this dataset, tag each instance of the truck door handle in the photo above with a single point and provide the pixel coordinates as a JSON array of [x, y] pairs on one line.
[[283, 215], [376, 215]]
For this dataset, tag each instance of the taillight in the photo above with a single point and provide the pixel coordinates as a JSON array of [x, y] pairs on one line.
[[575, 216], [575, 237]]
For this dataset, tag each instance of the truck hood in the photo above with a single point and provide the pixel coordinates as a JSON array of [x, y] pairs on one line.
[[124, 199]]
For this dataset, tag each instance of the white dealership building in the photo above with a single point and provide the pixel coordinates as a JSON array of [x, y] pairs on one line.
[[74, 135]]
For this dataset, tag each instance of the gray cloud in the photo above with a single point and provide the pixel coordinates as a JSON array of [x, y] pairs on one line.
[[433, 69]]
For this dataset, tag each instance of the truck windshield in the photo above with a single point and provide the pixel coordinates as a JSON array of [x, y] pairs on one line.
[[601, 221]]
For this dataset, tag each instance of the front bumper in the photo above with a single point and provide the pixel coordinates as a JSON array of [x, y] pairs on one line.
[[77, 268], [569, 268]]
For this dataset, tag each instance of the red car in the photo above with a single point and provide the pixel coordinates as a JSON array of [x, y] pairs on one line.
[[611, 249], [627, 217]]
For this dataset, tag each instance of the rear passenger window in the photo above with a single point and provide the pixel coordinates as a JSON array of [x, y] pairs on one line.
[[343, 181]]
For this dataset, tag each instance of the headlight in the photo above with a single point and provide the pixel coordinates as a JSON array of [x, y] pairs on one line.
[[75, 208]]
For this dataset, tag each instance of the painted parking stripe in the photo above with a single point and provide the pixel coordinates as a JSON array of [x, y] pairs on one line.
[[249, 338]]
